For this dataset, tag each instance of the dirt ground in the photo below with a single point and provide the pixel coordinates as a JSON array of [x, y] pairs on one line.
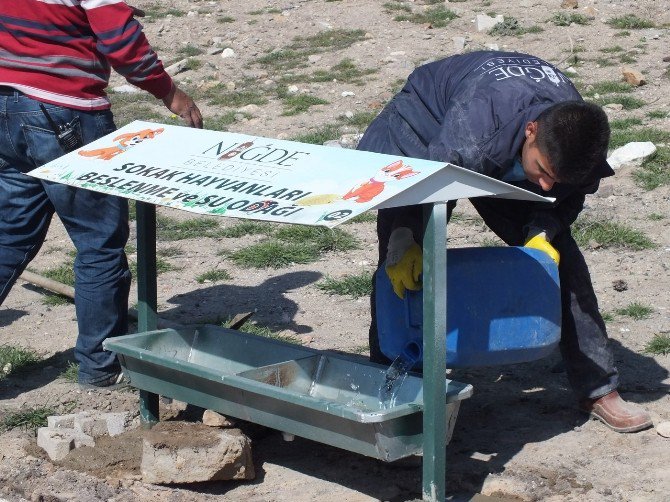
[[520, 436]]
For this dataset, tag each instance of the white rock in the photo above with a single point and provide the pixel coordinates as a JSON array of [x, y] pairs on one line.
[[178, 67], [630, 152], [663, 429], [192, 13], [349, 114], [293, 89], [228, 53], [485, 23], [347, 94], [492, 47], [459, 43], [126, 89], [398, 53]]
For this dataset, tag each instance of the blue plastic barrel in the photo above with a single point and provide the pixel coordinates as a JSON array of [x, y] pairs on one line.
[[503, 307]]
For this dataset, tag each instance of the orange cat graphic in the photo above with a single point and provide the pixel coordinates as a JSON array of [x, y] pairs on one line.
[[368, 190], [124, 142]]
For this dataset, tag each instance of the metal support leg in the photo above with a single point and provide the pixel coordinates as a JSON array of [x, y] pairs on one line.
[[434, 352], [147, 297]]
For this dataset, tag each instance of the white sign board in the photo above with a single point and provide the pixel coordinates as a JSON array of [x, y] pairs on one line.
[[243, 176]]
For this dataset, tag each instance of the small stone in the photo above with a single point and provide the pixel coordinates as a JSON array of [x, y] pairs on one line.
[[213, 51], [485, 23], [569, 4], [213, 419], [619, 285], [663, 429], [178, 67], [492, 47], [230, 86], [347, 94], [228, 53], [590, 11], [633, 77], [126, 89], [293, 89], [459, 43], [616, 107]]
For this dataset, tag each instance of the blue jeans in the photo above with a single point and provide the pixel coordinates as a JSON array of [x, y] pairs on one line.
[[96, 223]]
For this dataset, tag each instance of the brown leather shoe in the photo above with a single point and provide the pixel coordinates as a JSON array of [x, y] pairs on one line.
[[616, 413]]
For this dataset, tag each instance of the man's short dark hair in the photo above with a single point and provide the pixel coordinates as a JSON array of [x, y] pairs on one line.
[[574, 136]]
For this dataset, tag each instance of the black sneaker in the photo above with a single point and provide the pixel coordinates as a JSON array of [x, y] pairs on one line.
[[115, 381]]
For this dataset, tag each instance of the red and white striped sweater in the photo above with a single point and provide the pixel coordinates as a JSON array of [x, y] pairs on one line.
[[61, 51]]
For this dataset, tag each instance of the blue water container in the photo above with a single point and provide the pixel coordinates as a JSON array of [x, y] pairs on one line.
[[503, 307]]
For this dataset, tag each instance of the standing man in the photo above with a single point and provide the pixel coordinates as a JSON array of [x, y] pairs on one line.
[[516, 118], [55, 60]]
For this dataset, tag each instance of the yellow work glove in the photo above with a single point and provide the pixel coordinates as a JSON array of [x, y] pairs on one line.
[[540, 242], [404, 261]]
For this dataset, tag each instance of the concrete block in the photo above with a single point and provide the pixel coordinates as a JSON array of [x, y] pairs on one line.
[[183, 452], [61, 421], [82, 439], [116, 422], [56, 442], [91, 424], [97, 424]]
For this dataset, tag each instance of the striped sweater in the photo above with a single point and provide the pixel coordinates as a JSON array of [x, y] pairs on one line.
[[61, 51]]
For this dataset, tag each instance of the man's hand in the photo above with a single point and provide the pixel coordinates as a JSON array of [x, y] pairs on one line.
[[404, 262], [181, 104], [540, 242]]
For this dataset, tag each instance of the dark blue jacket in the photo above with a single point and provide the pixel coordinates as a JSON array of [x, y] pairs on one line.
[[471, 110]]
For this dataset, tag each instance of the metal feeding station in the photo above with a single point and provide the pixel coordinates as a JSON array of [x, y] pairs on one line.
[[325, 397]]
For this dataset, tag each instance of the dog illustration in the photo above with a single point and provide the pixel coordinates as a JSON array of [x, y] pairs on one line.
[[124, 142], [368, 190]]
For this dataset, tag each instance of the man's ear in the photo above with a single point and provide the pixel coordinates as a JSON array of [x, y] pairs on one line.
[[531, 131]]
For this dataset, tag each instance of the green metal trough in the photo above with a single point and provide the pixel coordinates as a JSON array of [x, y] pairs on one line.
[[325, 397]]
